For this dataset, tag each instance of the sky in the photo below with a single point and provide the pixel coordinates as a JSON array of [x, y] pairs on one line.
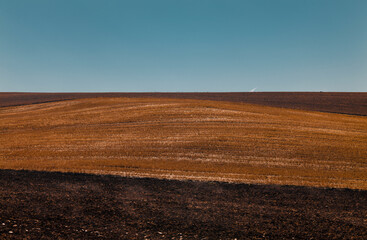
[[183, 45]]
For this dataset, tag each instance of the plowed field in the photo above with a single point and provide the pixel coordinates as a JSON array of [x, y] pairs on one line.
[[44, 205]]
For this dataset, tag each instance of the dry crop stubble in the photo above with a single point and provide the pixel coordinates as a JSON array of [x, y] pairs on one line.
[[187, 139]]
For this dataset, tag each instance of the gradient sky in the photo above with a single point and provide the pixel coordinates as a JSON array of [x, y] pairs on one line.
[[183, 45]]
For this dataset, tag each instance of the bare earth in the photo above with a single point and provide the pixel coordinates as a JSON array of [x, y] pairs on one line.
[[43, 205]]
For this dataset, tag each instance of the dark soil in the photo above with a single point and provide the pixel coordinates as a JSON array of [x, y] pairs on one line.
[[335, 102], [44, 205]]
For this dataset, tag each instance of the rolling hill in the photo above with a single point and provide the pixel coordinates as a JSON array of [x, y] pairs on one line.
[[186, 139]]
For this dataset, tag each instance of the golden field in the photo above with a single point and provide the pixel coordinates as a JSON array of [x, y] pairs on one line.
[[187, 139]]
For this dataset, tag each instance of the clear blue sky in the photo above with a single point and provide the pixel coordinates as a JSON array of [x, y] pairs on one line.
[[183, 45]]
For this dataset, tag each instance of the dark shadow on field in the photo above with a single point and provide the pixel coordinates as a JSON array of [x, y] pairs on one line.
[[51, 205]]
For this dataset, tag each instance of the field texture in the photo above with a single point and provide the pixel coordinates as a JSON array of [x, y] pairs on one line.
[[44, 205], [186, 139], [335, 102]]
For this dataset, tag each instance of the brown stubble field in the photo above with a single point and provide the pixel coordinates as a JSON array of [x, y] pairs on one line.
[[186, 139]]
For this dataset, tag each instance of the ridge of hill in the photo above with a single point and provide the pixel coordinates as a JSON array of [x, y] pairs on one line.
[[353, 103]]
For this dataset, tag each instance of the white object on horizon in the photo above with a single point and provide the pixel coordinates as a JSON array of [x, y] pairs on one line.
[[253, 90]]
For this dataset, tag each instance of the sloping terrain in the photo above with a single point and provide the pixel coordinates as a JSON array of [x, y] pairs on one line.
[[44, 205], [186, 139], [353, 103]]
